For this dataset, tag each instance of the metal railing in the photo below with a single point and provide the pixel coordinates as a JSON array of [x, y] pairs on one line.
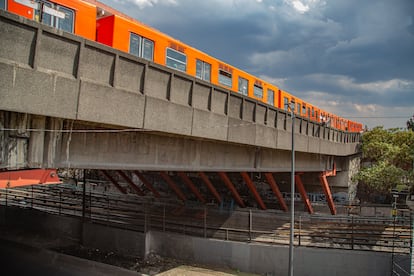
[[272, 227]]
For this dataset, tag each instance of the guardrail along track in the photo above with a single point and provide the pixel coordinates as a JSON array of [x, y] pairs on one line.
[[143, 214]]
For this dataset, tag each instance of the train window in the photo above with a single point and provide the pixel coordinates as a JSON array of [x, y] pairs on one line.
[[203, 70], [176, 60], [65, 24], [56, 16], [299, 108], [141, 47], [286, 103], [243, 86], [134, 44], [147, 49], [304, 109], [258, 91], [225, 78], [270, 97], [3, 4]]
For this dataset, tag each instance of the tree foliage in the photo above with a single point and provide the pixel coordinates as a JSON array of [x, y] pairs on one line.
[[387, 158], [410, 124]]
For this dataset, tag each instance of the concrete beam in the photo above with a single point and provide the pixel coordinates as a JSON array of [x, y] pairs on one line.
[[55, 74]]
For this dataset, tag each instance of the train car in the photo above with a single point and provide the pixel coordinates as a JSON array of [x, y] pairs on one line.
[[96, 21], [72, 16]]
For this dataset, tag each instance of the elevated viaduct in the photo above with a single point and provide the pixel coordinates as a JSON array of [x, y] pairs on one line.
[[67, 102]]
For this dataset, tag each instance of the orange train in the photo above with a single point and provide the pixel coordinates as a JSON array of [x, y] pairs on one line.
[[96, 21]]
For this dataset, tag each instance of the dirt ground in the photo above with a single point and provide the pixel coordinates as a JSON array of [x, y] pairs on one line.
[[152, 265]]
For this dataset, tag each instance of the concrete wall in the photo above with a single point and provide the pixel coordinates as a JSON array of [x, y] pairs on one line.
[[110, 239], [248, 257], [40, 224], [270, 260], [47, 72], [22, 259]]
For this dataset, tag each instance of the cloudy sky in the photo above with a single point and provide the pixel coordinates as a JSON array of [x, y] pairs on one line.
[[354, 58]]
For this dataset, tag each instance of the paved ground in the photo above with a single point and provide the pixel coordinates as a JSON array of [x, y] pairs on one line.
[[185, 270]]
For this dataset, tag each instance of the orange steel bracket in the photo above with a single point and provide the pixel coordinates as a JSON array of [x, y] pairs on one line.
[[147, 184], [253, 189], [327, 190], [173, 186], [17, 178], [302, 191], [276, 191], [116, 184], [191, 185], [210, 186], [232, 189], [131, 183]]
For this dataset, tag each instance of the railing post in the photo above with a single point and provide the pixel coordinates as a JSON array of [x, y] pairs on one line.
[[205, 222], [31, 203], [352, 232], [300, 228], [163, 219], [60, 202], [145, 220], [107, 208], [393, 245], [250, 225], [90, 202], [83, 200]]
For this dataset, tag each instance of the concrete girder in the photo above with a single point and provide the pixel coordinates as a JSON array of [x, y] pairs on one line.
[[142, 150]]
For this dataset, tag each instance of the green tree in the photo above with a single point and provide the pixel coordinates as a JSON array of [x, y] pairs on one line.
[[410, 124], [387, 159]]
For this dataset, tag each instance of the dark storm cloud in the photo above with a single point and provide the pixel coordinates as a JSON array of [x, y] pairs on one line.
[[352, 53]]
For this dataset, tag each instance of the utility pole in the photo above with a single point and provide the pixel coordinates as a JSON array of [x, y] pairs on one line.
[[292, 191]]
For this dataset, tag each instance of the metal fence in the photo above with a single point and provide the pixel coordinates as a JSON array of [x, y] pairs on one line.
[[144, 214]]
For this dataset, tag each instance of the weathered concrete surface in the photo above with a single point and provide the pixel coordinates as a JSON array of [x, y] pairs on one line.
[[258, 258], [21, 259], [54, 74], [110, 239], [249, 257], [152, 151]]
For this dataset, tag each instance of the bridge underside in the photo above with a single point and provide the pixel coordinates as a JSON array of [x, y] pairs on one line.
[[152, 163], [31, 141]]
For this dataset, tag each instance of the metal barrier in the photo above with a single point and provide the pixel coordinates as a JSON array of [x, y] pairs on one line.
[[144, 214]]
